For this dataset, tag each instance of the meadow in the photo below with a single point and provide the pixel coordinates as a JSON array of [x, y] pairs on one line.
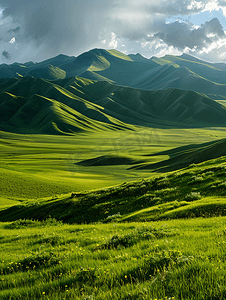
[[174, 259], [79, 220], [38, 166]]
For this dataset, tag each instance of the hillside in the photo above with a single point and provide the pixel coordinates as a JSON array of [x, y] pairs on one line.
[[72, 105], [182, 72], [186, 155], [38, 106], [196, 191], [212, 71]]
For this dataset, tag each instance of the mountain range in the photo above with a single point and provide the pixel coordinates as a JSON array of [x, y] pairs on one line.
[[106, 89]]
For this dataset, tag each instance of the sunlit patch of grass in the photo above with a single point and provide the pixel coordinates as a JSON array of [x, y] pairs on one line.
[[195, 191], [119, 54], [174, 259]]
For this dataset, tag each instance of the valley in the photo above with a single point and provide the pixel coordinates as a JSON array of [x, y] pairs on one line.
[[112, 178]]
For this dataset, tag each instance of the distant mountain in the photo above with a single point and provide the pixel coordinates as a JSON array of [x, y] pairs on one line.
[[183, 72], [215, 72], [43, 69], [69, 105]]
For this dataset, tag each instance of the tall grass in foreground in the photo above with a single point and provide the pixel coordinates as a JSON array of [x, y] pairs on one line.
[[159, 260]]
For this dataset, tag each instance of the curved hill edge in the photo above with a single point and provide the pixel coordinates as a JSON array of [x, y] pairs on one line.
[[195, 192], [185, 156]]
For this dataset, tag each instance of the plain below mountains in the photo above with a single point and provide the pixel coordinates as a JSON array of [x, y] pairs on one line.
[[183, 72], [70, 105]]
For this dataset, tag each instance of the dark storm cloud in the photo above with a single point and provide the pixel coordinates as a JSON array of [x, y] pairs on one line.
[[6, 54], [14, 31], [57, 26], [182, 35]]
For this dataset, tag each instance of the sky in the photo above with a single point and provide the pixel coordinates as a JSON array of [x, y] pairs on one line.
[[40, 29]]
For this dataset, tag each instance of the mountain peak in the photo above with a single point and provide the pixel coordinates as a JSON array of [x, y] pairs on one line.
[[137, 57], [190, 57]]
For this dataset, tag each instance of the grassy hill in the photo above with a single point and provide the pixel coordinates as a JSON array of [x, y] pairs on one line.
[[186, 155], [70, 105], [196, 191], [38, 106]]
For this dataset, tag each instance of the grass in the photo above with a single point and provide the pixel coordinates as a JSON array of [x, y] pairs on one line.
[[147, 239], [119, 54], [196, 191], [162, 260], [37, 166]]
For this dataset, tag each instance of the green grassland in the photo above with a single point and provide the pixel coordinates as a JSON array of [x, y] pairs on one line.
[[115, 232], [37, 166], [196, 191], [182, 259]]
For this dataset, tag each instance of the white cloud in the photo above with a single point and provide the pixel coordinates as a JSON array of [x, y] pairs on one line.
[[216, 5], [224, 10], [211, 6], [195, 5], [12, 41], [165, 50], [113, 43]]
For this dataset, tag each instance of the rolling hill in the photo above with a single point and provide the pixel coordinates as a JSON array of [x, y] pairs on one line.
[[197, 191], [33, 105], [185, 156]]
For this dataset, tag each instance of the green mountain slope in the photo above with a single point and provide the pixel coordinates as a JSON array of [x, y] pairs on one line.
[[39, 70], [38, 106], [166, 76], [210, 71], [183, 72], [48, 72], [70, 105]]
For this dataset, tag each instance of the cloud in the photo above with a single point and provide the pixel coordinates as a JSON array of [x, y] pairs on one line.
[[6, 54], [15, 30], [50, 27], [221, 3], [181, 35], [45, 28], [13, 40], [113, 42]]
